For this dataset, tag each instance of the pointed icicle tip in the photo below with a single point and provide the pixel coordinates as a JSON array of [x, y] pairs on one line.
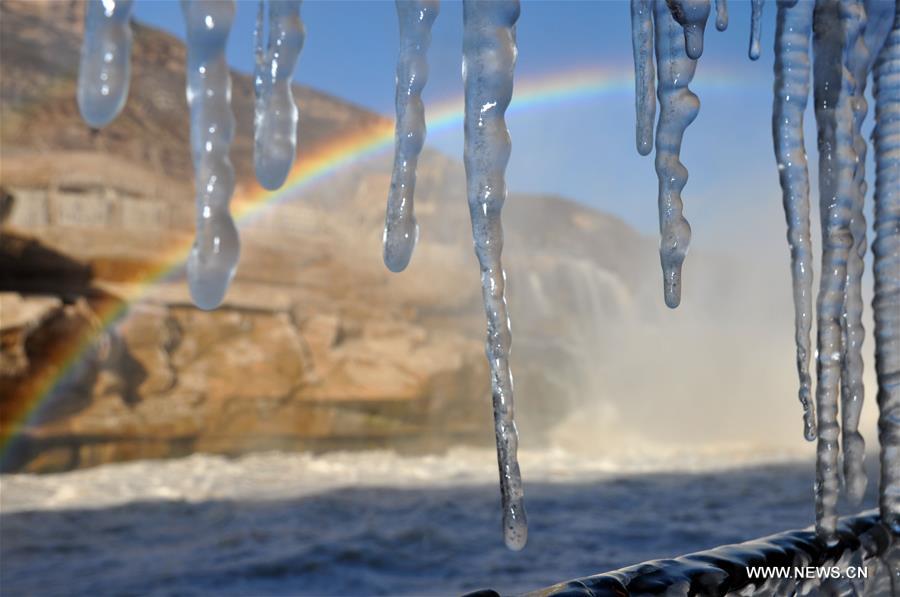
[[644, 74], [399, 247], [275, 111], [104, 73], [692, 16], [756, 7], [721, 15], [401, 232]]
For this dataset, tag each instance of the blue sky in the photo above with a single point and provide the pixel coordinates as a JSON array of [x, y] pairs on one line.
[[583, 150]]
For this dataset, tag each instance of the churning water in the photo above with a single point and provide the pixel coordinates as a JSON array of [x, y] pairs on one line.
[[380, 523]]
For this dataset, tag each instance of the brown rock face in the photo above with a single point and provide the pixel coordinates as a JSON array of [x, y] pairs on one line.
[[316, 347]]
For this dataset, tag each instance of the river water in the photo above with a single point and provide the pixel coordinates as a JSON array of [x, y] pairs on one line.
[[379, 523]]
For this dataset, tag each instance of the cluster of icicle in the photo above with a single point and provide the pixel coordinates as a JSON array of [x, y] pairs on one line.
[[489, 56], [850, 40], [103, 88]]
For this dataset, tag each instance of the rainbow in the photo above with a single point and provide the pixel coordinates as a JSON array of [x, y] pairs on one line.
[[322, 162]]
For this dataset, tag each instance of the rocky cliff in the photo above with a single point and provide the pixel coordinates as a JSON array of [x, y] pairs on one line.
[[317, 346]]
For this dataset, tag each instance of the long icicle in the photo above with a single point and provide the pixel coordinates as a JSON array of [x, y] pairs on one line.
[[214, 256], [886, 248], [678, 107], [400, 228], [852, 387], [836, 162], [878, 18], [692, 16], [756, 7], [105, 69], [644, 87], [489, 57], [275, 112], [792, 71]]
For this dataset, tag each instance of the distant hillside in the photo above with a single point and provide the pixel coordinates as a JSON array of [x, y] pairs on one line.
[[317, 345]]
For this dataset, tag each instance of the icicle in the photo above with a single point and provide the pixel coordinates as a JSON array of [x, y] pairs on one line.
[[489, 56], [792, 71], [834, 119], [852, 388], [105, 69], [259, 49], [886, 249], [678, 106], [880, 18], [721, 15], [692, 15], [644, 89], [275, 113], [214, 256], [400, 228], [756, 7]]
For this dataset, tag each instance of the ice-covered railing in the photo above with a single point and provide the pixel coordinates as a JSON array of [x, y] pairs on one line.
[[848, 41], [864, 559]]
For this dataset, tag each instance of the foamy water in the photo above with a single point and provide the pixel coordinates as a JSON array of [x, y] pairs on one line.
[[277, 475], [377, 522]]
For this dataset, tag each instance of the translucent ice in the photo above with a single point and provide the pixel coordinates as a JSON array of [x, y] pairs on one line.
[[105, 69], [275, 113], [692, 15], [721, 15], [886, 249], [852, 390], [792, 71], [400, 228], [678, 107], [644, 89], [756, 7], [834, 119], [489, 57], [214, 256]]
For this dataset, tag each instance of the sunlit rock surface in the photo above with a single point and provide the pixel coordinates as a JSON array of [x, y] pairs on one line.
[[316, 345]]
